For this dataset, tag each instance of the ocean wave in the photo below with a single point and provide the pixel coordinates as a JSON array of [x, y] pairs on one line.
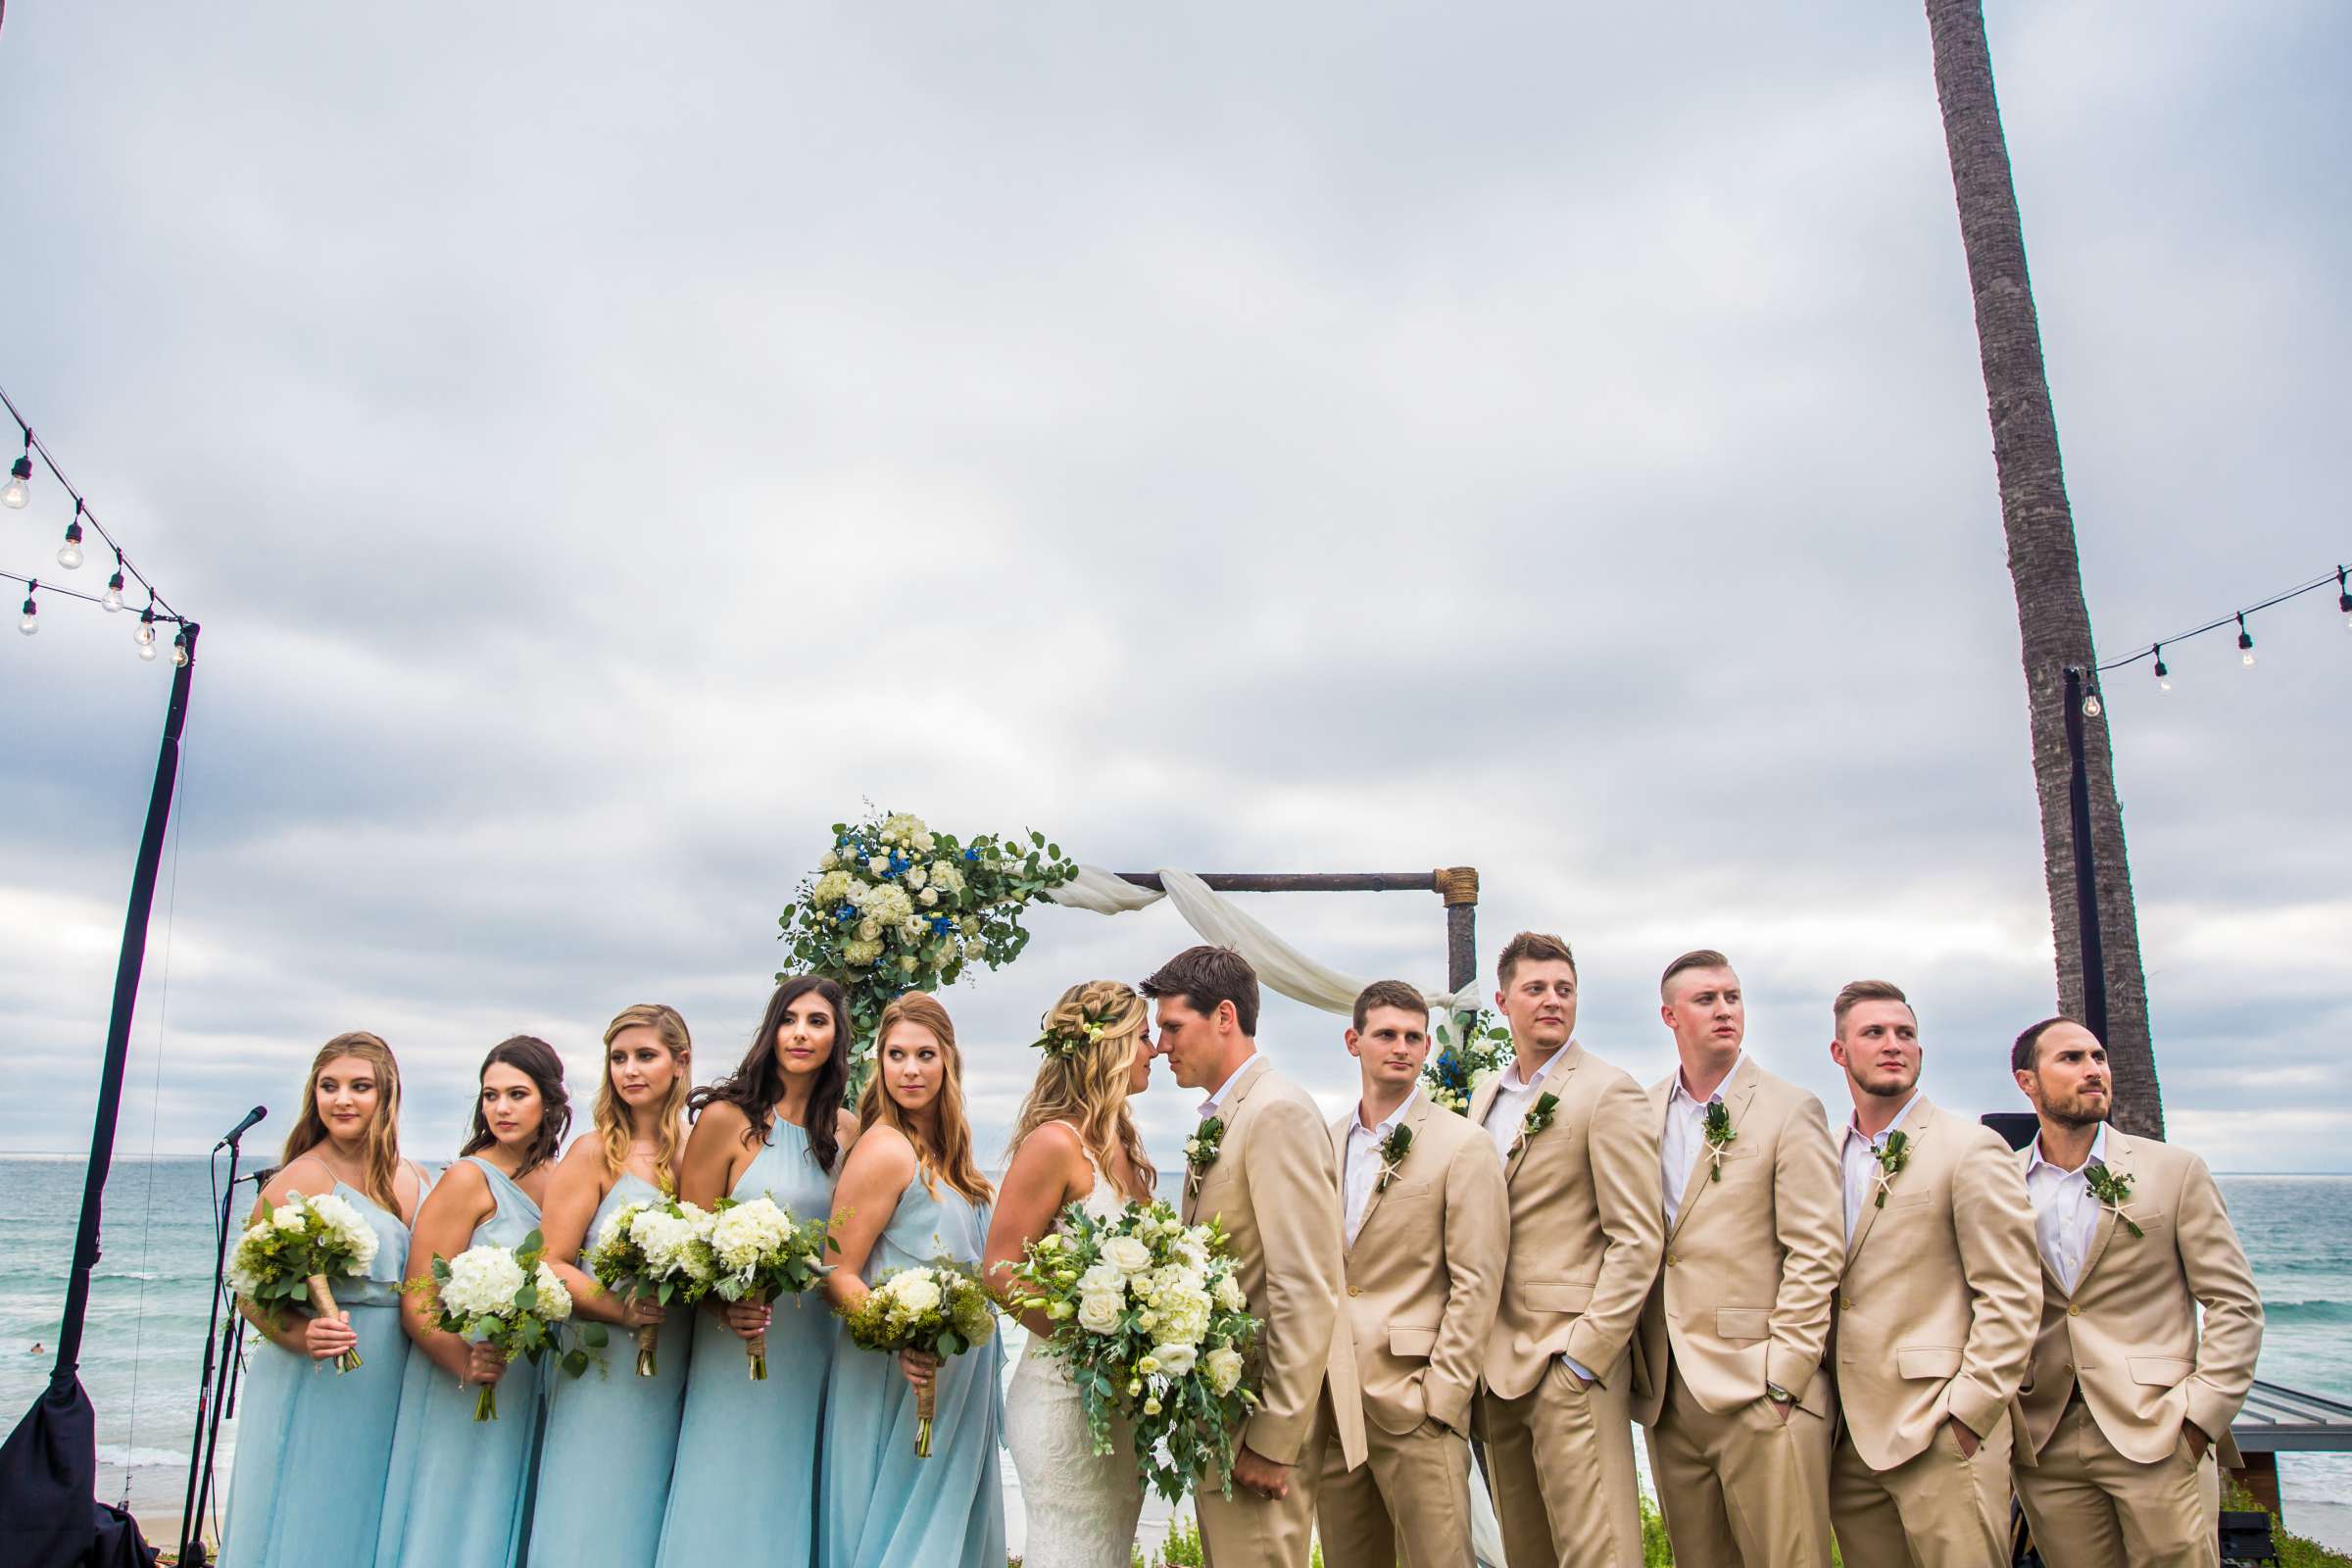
[[2306, 1311], [115, 1456]]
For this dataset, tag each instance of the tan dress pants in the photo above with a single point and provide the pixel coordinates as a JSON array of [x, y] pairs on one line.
[[1747, 1489], [1249, 1530], [1409, 1502], [1939, 1508], [2090, 1507], [1561, 1467]]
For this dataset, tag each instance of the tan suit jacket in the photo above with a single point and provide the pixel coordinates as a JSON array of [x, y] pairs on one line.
[[2128, 1332], [1425, 1271], [1942, 1295], [1587, 1226], [1751, 1260], [1277, 1189]]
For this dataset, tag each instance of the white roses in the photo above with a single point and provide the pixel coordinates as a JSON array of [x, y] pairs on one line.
[[1224, 1368]]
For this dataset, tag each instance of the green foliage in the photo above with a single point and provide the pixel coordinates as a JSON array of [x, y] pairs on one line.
[[1469, 1048], [2294, 1551]]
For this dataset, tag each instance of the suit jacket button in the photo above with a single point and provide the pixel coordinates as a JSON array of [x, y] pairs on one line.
[[2073, 1311], [1355, 1289], [1671, 1261], [1846, 1305]]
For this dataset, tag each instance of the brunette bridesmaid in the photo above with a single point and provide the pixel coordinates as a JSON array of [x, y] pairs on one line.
[[304, 1432], [912, 1194], [457, 1493], [611, 1435], [745, 1482]]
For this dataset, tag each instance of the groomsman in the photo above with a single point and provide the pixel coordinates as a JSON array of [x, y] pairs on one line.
[[2125, 1396], [1427, 1229], [1262, 1161], [1732, 1336], [1937, 1311], [1580, 1150]]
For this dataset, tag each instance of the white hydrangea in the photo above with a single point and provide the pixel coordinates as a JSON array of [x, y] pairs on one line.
[[670, 1241], [832, 890], [1224, 1368], [860, 953], [482, 1279], [928, 898], [745, 1234], [888, 905], [946, 876], [287, 1217], [914, 1294], [555, 1302], [828, 860]]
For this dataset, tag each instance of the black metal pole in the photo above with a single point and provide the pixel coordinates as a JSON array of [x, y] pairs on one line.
[[2086, 879], [214, 1388]]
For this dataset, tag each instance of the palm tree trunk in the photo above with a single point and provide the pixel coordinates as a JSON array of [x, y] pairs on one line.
[[2053, 623]]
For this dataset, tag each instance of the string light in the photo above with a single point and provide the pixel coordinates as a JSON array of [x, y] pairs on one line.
[[2164, 676], [68, 555], [112, 600], [14, 495], [31, 622], [144, 636], [2338, 577], [2092, 707], [2343, 597], [180, 649], [2245, 642]]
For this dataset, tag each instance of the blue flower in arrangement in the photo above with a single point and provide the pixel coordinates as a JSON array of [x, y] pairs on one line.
[[972, 855], [941, 926], [846, 913]]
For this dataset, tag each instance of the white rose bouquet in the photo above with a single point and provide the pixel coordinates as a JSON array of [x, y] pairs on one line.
[[504, 1297], [297, 1250], [760, 1253], [1153, 1328], [941, 1309], [658, 1252]]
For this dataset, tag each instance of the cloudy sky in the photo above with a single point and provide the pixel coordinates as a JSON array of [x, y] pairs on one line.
[[604, 445]]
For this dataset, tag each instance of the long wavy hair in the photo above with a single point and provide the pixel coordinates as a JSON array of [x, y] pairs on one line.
[[1085, 1085], [757, 1082], [944, 1153], [537, 1060], [379, 1145], [611, 1114]]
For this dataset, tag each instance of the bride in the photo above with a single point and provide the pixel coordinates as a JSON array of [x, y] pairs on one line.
[[1074, 1143]]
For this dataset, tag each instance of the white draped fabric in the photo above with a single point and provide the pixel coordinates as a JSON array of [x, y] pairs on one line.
[[1281, 966]]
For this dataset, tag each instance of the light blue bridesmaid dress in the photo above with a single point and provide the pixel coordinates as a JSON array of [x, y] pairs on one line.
[[744, 1488], [604, 1465], [883, 1507], [305, 1431], [457, 1491]]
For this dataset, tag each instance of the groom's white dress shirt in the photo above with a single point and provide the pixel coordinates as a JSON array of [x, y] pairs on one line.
[[1686, 1133], [2066, 1216], [1512, 1098], [1217, 1098]]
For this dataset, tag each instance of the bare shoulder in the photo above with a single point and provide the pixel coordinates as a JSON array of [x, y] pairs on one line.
[[586, 1150], [462, 1189], [844, 1129], [582, 1166], [721, 1118], [882, 1150], [306, 1174], [1048, 1157]]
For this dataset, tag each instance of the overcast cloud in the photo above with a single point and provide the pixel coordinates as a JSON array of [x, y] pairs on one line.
[[604, 445]]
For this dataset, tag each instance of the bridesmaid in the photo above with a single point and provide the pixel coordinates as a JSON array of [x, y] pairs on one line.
[[745, 1481], [604, 1468], [457, 1492], [912, 1194], [305, 1432]]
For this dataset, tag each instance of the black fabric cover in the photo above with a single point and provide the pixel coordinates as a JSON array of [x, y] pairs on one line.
[[48, 1477]]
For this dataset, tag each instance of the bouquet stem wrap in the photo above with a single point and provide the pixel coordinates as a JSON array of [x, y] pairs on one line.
[[485, 1403], [926, 1405], [648, 1337], [322, 1303], [757, 1347]]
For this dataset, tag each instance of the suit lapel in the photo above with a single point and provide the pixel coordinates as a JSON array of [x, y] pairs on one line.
[[1414, 1119], [1915, 1131], [1227, 1110], [1738, 1094], [2117, 1161], [1570, 1056]]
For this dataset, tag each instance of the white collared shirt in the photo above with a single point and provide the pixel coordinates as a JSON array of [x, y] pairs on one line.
[[1361, 1171], [2066, 1216], [1860, 1154], [1512, 1099], [1686, 1133], [1209, 1107]]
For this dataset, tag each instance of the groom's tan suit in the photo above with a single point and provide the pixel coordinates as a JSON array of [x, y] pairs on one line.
[[1585, 1235], [1424, 1274], [1936, 1315], [1277, 1189], [1743, 1303], [2121, 1362]]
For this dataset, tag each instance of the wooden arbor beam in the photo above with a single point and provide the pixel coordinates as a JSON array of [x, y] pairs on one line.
[[1457, 884]]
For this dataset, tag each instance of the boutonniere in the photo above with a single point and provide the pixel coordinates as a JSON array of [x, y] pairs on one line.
[[1538, 1117], [1892, 1160], [1720, 1136], [1201, 1149], [2113, 1189], [1392, 1154]]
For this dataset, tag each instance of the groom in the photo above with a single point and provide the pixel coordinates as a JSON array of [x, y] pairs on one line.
[[1262, 1163]]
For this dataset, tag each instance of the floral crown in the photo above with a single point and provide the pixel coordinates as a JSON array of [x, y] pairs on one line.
[[1071, 1037]]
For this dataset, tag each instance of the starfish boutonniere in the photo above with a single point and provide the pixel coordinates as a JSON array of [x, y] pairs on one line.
[[1538, 1117], [1392, 1154], [2113, 1189], [1892, 1160], [1201, 1149], [1720, 1136]]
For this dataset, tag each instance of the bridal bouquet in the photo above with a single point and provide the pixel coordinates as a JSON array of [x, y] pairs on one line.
[[1153, 1326], [504, 1297], [659, 1253], [1470, 1048], [760, 1253], [941, 1309], [895, 907], [296, 1250]]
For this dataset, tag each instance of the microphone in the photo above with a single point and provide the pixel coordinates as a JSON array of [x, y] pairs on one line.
[[229, 1141]]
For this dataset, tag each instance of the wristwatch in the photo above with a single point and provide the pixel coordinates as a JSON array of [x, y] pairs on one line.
[[1778, 1394]]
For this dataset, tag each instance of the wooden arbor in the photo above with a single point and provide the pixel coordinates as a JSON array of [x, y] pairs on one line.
[[1457, 885]]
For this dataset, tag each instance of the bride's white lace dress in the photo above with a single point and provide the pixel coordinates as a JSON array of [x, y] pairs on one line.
[[1081, 1506]]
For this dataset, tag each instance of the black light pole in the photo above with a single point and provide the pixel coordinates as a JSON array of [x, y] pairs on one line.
[[211, 1391], [2086, 881], [49, 1464]]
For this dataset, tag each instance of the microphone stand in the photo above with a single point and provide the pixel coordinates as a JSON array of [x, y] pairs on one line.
[[221, 1343]]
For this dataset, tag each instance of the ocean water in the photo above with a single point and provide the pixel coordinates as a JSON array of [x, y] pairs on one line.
[[145, 1342]]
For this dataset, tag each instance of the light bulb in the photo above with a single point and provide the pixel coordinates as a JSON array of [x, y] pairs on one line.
[[2247, 658], [68, 554], [2091, 707], [31, 622], [146, 632], [147, 651], [179, 650], [2164, 684], [14, 495], [113, 598]]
